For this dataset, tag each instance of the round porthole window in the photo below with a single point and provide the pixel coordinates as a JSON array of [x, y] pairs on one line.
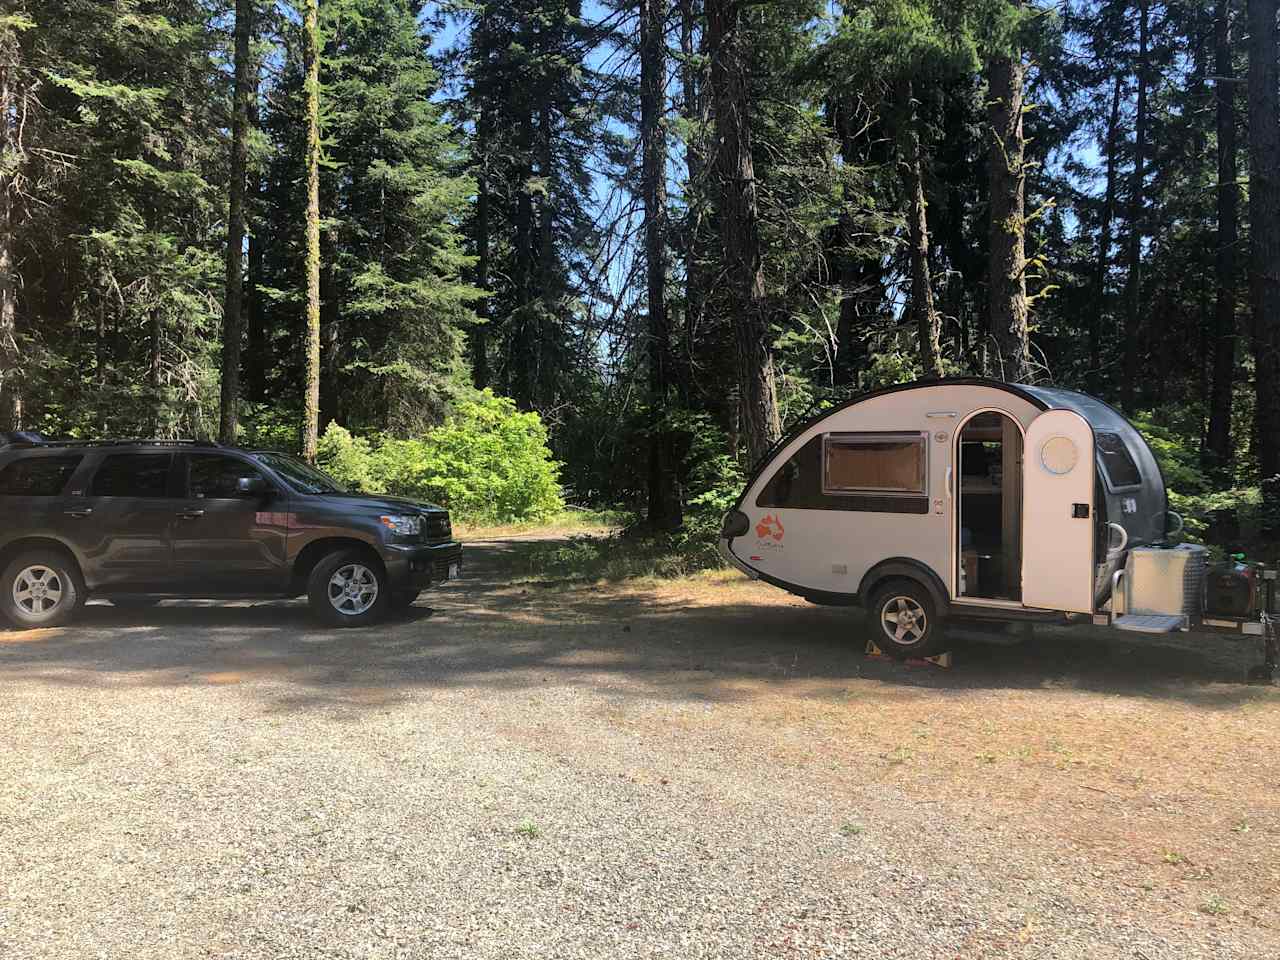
[[1059, 455]]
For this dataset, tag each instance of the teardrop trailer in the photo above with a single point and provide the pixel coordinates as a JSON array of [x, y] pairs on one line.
[[972, 499]]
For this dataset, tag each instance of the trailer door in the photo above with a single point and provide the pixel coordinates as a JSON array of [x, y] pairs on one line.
[[1057, 513]]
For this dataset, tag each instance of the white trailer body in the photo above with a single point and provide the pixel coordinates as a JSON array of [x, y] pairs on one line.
[[968, 498]]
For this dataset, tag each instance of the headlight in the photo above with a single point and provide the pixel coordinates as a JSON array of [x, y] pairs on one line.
[[402, 526]]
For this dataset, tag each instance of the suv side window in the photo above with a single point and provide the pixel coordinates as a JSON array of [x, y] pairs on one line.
[[214, 476], [37, 476], [132, 475]]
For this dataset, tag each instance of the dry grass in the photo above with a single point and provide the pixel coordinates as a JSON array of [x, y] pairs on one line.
[[1170, 793], [569, 523]]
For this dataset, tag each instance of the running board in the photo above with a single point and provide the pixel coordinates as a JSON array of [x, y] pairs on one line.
[[1149, 623]]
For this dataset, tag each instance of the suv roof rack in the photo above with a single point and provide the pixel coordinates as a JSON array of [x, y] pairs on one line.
[[125, 442]]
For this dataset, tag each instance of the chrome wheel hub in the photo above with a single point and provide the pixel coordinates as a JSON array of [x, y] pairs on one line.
[[353, 589], [38, 590], [903, 620]]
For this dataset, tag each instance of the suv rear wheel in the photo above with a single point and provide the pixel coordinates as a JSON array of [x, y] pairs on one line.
[[40, 588], [348, 588]]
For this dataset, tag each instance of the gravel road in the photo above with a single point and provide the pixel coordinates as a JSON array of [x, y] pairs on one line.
[[651, 770]]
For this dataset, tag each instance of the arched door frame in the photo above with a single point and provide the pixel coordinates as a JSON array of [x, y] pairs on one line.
[[953, 492]]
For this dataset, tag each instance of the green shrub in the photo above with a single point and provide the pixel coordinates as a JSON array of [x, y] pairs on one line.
[[348, 459], [488, 463]]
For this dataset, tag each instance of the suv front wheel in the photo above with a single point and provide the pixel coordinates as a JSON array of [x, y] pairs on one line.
[[348, 588], [40, 588]]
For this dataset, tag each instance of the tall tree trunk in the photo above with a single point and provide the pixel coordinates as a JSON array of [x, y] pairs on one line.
[[155, 370], [1264, 267], [922, 311], [10, 152], [257, 362], [730, 47], [694, 109], [311, 340], [1132, 334], [330, 340], [546, 291], [519, 359], [1007, 174], [1104, 245], [232, 319], [664, 499], [1218, 441], [480, 332]]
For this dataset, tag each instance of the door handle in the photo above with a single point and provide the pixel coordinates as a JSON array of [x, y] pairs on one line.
[[79, 514], [190, 514]]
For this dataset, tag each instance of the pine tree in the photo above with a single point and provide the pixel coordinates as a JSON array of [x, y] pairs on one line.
[[232, 320], [527, 77], [1264, 219], [311, 341], [1218, 439], [924, 314], [664, 498], [115, 236], [729, 46], [15, 97], [1007, 168], [1133, 327]]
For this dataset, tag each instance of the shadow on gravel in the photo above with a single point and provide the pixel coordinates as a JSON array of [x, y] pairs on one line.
[[485, 632]]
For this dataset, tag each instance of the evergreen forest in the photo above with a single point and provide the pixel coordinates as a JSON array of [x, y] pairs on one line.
[[516, 253]]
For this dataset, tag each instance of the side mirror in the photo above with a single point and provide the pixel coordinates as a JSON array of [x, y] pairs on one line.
[[252, 486]]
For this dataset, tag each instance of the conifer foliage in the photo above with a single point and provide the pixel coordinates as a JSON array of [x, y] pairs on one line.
[[663, 228]]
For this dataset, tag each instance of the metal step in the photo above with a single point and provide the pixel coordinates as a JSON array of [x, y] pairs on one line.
[[1149, 622]]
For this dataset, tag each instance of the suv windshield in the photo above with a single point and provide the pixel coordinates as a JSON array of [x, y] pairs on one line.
[[300, 476]]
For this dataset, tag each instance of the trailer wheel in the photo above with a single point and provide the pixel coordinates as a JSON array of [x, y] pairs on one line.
[[906, 621]]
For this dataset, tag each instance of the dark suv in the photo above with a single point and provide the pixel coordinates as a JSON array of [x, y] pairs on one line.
[[139, 520]]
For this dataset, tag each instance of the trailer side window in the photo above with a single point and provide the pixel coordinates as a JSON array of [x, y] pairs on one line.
[[799, 484], [795, 484], [1121, 471], [874, 463]]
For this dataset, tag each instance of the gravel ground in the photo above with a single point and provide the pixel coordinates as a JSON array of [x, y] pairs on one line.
[[644, 771]]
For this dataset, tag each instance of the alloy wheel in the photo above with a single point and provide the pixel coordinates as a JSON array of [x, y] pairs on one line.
[[38, 590], [353, 589], [903, 620]]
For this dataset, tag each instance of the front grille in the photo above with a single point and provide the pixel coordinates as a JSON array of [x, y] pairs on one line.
[[436, 526]]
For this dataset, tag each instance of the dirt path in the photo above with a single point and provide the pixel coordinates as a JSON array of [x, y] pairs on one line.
[[700, 768]]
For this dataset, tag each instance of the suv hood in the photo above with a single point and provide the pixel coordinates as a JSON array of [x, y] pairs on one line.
[[371, 503]]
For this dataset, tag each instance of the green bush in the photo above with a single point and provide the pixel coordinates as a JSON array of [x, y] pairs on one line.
[[488, 463]]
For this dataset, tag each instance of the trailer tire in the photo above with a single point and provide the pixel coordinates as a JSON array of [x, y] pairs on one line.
[[906, 621]]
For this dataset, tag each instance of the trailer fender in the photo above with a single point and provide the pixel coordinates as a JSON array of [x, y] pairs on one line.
[[907, 569]]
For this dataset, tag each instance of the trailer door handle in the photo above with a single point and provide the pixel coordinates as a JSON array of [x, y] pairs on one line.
[[79, 514], [190, 514]]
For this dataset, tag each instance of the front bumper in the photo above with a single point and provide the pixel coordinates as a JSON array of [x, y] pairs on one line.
[[418, 566]]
